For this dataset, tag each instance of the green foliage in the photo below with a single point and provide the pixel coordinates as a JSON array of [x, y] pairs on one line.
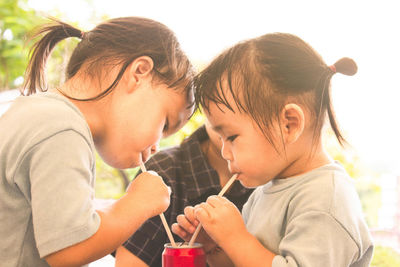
[[370, 196], [109, 183], [17, 23], [385, 257], [16, 20]]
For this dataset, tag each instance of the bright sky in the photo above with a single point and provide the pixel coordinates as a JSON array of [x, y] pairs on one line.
[[367, 31]]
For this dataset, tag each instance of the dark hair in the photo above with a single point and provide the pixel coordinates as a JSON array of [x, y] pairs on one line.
[[114, 42], [264, 73]]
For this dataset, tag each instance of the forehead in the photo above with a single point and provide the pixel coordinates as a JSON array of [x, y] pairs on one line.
[[219, 104], [221, 117]]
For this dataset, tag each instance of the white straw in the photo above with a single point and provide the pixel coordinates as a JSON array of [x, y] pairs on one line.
[[163, 220], [221, 193], [227, 185]]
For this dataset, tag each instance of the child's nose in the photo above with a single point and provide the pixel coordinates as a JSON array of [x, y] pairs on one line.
[[154, 148], [226, 152]]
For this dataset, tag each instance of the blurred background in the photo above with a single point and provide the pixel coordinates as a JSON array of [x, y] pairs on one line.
[[366, 104]]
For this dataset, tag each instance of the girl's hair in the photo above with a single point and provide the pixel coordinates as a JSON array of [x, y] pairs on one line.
[[265, 73], [116, 42]]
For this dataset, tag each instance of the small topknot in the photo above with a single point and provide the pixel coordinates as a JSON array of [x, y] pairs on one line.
[[346, 66]]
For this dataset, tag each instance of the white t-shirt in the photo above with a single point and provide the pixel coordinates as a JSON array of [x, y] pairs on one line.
[[314, 219], [47, 173]]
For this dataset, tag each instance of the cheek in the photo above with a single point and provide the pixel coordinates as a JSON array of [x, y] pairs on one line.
[[243, 156], [153, 132], [249, 157]]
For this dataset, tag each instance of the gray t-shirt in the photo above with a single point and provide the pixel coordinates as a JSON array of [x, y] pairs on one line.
[[314, 219], [47, 172]]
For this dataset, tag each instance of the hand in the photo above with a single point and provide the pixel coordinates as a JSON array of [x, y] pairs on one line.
[[221, 220], [151, 190], [186, 225]]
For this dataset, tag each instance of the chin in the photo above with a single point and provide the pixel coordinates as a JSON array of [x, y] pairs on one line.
[[128, 165], [119, 163], [248, 183]]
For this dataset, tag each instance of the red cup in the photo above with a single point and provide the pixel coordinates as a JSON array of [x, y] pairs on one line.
[[183, 256]]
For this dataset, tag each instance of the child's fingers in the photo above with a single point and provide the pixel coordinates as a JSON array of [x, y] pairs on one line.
[[202, 211], [185, 224], [148, 174], [169, 190], [214, 201], [176, 229], [224, 201], [189, 214]]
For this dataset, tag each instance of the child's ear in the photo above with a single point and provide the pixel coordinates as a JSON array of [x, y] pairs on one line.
[[293, 120], [138, 70]]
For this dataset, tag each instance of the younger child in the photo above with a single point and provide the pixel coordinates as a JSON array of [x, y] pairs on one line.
[[128, 85], [194, 170], [268, 98]]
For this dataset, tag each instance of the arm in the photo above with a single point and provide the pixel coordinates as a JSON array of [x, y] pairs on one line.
[[68, 230], [118, 222], [244, 252], [145, 245], [124, 258]]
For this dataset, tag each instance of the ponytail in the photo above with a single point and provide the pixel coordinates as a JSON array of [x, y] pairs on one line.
[[115, 42], [40, 52], [345, 66]]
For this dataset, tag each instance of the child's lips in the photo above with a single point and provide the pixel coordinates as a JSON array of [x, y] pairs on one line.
[[238, 175]]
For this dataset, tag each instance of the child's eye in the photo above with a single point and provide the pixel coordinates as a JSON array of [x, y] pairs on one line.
[[231, 138], [166, 125]]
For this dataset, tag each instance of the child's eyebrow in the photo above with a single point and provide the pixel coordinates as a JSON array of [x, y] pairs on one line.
[[218, 128]]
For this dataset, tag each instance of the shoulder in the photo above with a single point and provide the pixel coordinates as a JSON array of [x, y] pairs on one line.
[[55, 108], [325, 187], [331, 192], [53, 113], [321, 189]]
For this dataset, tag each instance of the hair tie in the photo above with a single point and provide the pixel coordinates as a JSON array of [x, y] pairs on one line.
[[333, 68]]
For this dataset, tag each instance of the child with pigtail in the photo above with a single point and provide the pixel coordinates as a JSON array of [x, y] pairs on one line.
[[268, 99]]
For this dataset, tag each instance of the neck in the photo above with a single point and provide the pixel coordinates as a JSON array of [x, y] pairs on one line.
[[305, 162], [89, 109], [216, 161]]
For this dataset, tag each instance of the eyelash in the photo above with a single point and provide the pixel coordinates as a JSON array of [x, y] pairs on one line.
[[166, 125], [231, 138]]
